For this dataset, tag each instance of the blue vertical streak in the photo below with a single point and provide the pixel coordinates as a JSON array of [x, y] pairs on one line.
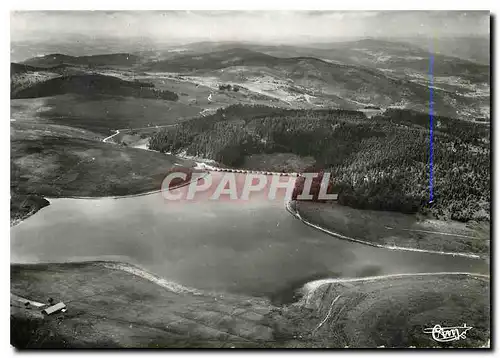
[[431, 125]]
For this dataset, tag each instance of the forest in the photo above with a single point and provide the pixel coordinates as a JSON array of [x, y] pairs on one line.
[[89, 84], [381, 163]]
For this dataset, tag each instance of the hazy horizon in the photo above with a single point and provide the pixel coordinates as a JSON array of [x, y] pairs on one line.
[[244, 26], [37, 33]]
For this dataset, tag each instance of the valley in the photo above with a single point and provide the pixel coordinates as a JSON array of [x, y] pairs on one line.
[[94, 135]]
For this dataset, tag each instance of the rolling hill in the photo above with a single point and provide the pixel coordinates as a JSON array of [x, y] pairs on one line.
[[24, 76], [115, 59], [353, 75], [472, 48], [57, 160], [92, 84], [397, 56], [402, 58], [18, 68], [211, 61], [337, 83]]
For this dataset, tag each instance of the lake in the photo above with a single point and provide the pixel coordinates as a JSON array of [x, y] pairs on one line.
[[254, 247]]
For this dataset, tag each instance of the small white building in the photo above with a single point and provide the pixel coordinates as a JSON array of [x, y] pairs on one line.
[[55, 308]]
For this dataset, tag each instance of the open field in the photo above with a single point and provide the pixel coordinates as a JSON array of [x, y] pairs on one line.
[[59, 161], [197, 88], [131, 308], [120, 309], [397, 229], [102, 114], [73, 167], [390, 312], [35, 129]]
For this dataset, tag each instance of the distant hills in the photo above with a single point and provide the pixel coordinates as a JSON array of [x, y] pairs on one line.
[[116, 59], [92, 84], [363, 77], [404, 57], [17, 68], [212, 61], [57, 74], [350, 75], [398, 57], [475, 49]]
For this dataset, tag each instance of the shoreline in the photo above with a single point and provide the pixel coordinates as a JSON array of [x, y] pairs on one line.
[[207, 168], [297, 215], [122, 266], [18, 221], [312, 318], [128, 195], [310, 287]]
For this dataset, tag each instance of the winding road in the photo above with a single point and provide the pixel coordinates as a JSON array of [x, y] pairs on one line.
[[118, 131]]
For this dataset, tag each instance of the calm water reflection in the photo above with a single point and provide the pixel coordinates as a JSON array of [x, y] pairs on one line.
[[255, 247]]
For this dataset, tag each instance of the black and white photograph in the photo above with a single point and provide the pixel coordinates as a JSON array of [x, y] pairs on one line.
[[276, 179]]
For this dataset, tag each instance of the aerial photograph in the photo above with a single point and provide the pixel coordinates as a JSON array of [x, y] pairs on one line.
[[250, 179]]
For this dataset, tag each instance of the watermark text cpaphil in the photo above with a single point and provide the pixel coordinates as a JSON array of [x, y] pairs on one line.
[[229, 186]]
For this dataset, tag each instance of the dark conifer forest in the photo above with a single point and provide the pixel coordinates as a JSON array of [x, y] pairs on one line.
[[377, 163]]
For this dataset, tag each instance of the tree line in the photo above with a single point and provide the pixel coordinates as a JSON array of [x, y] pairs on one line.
[[379, 163]]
